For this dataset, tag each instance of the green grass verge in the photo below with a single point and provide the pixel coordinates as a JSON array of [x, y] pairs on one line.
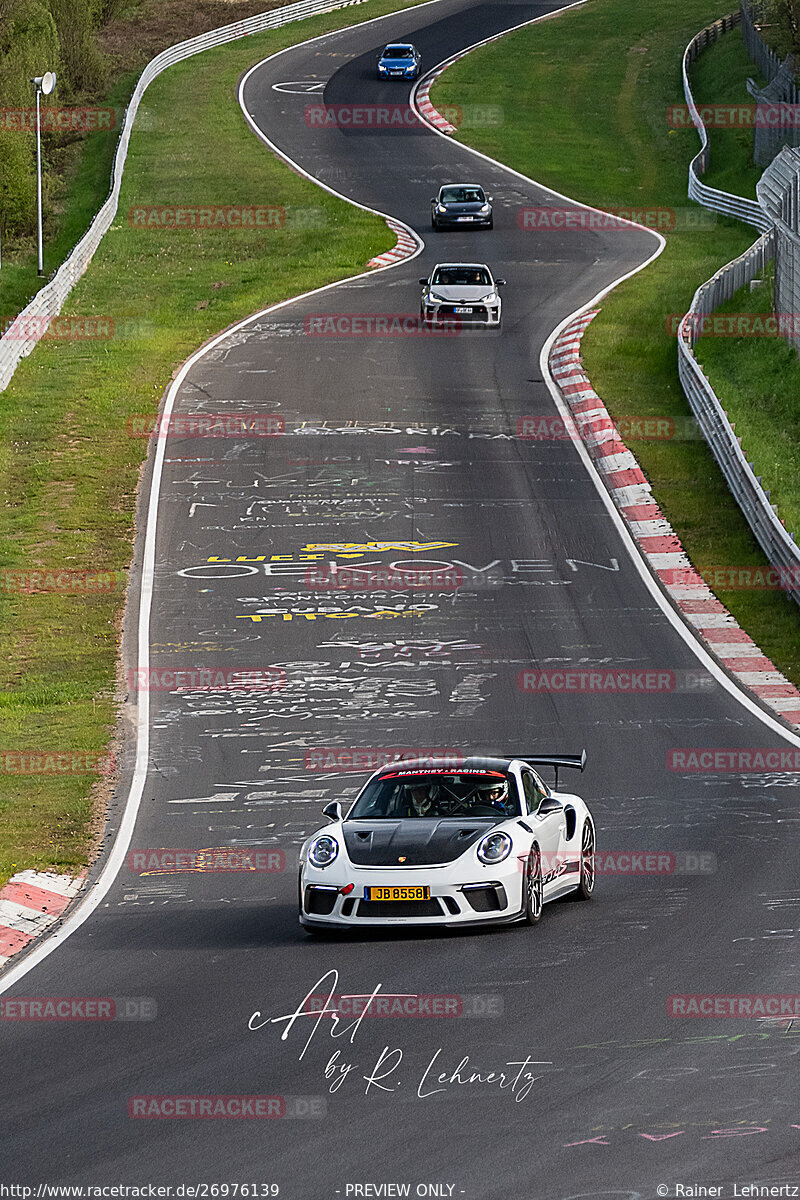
[[599, 79], [70, 471], [719, 76], [82, 184], [758, 382]]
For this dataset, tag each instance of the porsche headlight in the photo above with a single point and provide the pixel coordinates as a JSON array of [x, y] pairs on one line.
[[441, 208], [484, 208], [494, 848], [323, 850]]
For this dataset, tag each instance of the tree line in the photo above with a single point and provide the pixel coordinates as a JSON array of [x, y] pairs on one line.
[[38, 36]]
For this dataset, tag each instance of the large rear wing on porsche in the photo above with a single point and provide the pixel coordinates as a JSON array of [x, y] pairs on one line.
[[575, 761]]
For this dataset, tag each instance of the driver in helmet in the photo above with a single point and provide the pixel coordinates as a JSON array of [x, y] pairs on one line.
[[495, 794], [419, 799]]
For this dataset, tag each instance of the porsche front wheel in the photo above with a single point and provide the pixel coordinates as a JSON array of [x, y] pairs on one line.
[[533, 888], [585, 888]]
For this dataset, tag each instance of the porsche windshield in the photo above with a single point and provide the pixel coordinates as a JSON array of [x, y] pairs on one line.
[[467, 794], [461, 277]]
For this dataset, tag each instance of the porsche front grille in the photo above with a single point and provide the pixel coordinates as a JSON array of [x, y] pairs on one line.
[[399, 908]]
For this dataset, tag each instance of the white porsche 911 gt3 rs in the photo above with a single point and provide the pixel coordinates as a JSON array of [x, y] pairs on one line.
[[427, 842]]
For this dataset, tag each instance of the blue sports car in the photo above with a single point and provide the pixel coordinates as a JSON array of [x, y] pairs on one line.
[[399, 60]]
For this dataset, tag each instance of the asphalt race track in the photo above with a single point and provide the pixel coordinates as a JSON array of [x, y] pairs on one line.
[[410, 443]]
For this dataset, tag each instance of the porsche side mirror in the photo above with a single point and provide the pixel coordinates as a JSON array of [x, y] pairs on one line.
[[333, 810], [423, 282], [500, 282], [549, 805]]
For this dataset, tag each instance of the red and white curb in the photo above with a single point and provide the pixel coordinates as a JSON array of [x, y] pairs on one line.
[[29, 903], [407, 246], [656, 538], [425, 107]]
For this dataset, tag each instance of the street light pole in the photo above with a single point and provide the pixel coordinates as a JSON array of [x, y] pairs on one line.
[[44, 85], [39, 179]]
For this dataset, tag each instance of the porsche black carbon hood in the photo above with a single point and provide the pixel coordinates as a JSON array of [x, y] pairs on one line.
[[417, 840]]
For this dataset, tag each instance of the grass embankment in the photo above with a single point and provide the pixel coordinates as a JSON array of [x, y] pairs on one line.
[[77, 166], [756, 378], [718, 79], [81, 186], [70, 471], [599, 80], [758, 382]]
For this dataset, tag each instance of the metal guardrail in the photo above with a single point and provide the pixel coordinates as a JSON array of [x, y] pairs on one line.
[[765, 58], [776, 106], [771, 534], [779, 97], [778, 192], [726, 203], [31, 324]]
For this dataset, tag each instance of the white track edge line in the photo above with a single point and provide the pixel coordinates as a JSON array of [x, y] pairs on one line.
[[97, 891], [735, 689], [100, 888], [695, 644]]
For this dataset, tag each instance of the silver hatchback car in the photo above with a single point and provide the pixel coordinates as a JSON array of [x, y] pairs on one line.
[[461, 293]]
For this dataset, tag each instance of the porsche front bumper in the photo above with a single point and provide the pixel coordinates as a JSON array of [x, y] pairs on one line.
[[496, 898]]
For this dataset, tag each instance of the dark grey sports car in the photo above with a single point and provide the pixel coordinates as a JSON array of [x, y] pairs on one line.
[[461, 204]]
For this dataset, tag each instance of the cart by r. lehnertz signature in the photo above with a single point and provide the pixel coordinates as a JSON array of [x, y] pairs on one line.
[[386, 1073]]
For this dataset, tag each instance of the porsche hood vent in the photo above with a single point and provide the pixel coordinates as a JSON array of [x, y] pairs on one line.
[[411, 843]]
